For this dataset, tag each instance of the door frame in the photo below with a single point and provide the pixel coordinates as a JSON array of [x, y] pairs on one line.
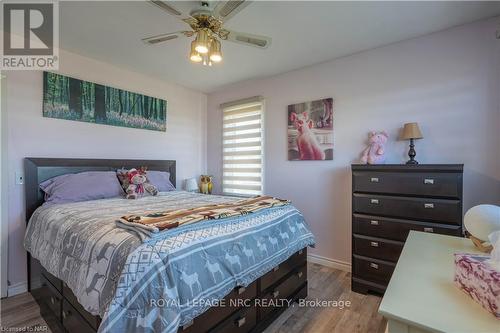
[[4, 226]]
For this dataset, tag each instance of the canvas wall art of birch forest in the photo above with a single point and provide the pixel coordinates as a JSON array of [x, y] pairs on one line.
[[72, 99]]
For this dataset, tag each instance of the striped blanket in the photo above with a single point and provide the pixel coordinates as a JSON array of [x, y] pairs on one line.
[[154, 222]]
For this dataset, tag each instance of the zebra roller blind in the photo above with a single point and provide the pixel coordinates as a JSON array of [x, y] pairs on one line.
[[242, 147]]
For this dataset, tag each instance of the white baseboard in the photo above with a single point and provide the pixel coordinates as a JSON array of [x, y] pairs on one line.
[[17, 289], [328, 262]]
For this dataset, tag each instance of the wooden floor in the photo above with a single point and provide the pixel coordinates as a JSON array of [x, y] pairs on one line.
[[324, 284], [331, 284], [21, 311]]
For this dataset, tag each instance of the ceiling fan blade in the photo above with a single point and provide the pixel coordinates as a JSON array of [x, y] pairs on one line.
[[153, 40], [224, 10], [170, 8], [261, 42]]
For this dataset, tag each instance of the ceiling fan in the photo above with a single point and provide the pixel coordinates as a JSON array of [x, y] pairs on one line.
[[206, 19]]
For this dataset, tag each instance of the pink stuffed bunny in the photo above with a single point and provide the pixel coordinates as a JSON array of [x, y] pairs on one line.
[[374, 153]]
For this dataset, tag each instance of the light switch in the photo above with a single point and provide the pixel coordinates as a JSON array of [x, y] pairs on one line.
[[19, 178]]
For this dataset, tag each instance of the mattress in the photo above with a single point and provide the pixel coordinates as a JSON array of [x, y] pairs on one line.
[[116, 275]]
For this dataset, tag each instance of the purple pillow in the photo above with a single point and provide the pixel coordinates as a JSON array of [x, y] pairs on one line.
[[160, 179], [83, 186]]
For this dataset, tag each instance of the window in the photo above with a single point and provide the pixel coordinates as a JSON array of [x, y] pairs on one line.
[[242, 147]]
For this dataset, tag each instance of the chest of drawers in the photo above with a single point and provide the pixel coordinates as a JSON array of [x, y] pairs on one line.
[[390, 200]]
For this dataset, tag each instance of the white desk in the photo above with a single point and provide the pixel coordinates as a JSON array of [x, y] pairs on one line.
[[421, 296]]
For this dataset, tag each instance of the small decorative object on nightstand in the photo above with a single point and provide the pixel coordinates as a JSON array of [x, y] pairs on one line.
[[374, 153], [191, 185], [411, 132], [206, 184], [480, 221]]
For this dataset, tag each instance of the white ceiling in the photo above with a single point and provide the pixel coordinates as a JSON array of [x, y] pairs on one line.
[[303, 33]]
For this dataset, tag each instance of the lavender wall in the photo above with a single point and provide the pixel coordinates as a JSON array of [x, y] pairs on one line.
[[29, 134], [448, 82]]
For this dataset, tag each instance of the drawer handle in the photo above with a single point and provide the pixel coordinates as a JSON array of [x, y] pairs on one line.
[[276, 293], [189, 323], [241, 290], [373, 265], [374, 244], [428, 229], [374, 222], [52, 300], [374, 180], [66, 314], [276, 268], [299, 274], [429, 181], [374, 201], [429, 205], [240, 322]]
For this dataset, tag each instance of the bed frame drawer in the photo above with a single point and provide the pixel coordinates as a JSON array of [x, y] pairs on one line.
[[51, 298], [242, 321], [73, 321], [232, 303], [280, 271], [52, 279], [93, 321], [284, 290]]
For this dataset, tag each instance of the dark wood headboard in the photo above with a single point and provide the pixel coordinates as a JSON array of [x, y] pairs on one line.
[[37, 170]]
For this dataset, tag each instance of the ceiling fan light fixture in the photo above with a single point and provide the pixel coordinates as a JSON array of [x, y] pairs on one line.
[[194, 56], [207, 29], [202, 42], [215, 51]]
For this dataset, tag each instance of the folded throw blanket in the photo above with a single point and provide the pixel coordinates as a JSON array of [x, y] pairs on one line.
[[154, 222]]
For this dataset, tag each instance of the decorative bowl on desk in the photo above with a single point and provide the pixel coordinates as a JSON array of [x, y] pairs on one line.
[[480, 221]]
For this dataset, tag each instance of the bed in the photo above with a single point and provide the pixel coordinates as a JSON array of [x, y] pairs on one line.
[[231, 275]]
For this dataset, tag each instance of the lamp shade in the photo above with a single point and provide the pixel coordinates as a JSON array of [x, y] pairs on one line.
[[202, 41], [194, 55], [411, 131], [215, 52], [191, 185]]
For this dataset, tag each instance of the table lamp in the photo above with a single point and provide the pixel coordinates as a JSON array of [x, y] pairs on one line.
[[191, 185], [411, 132]]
